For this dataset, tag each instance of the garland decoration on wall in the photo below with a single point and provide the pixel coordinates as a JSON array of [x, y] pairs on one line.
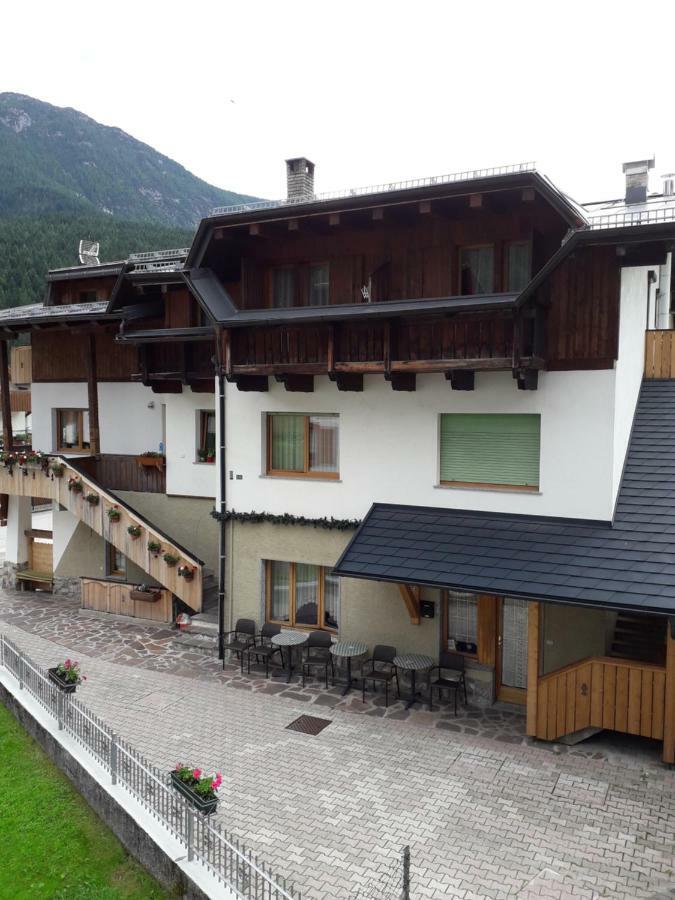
[[231, 515]]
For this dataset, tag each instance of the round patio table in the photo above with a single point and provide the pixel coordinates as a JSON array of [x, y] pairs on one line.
[[348, 650], [290, 639], [413, 663]]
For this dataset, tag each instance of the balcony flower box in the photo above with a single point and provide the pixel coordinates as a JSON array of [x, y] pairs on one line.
[[57, 470], [92, 499], [186, 572], [151, 459], [197, 788], [171, 559], [66, 676], [75, 485], [146, 594], [134, 531], [155, 548], [113, 513]]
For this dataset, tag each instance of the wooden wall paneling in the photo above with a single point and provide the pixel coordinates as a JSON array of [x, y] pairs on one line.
[[487, 613], [5, 404], [92, 397], [533, 665], [669, 698]]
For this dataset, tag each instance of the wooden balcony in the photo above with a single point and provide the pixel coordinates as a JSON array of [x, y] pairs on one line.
[[660, 354], [119, 472]]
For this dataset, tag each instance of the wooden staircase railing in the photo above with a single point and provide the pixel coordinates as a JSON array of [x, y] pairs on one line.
[[601, 692], [38, 481]]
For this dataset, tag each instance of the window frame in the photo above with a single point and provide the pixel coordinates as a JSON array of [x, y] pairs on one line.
[[293, 269], [80, 448], [111, 572], [482, 246], [292, 598], [486, 485], [306, 471], [526, 242], [320, 264], [446, 597], [203, 414]]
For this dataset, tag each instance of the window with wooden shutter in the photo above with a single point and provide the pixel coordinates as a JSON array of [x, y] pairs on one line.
[[490, 450]]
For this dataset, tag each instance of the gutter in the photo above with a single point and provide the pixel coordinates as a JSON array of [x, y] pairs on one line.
[[222, 537]]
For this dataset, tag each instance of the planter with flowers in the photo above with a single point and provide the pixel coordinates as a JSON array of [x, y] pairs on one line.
[[186, 572], [66, 676], [134, 531], [171, 559], [75, 485], [200, 789], [155, 548], [145, 592], [92, 499], [113, 513], [152, 458], [57, 469]]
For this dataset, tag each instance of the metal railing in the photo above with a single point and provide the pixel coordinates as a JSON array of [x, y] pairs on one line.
[[208, 843], [158, 254], [468, 175], [637, 217]]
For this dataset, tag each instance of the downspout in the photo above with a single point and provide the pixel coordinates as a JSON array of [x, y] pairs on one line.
[[222, 504]]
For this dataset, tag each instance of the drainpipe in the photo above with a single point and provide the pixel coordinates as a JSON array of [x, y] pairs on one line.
[[222, 504]]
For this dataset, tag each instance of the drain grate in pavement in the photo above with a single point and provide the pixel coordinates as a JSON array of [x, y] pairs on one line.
[[308, 724]]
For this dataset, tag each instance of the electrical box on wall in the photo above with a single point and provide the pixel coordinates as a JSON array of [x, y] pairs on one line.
[[427, 609]]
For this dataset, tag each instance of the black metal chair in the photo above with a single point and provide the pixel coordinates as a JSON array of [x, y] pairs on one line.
[[316, 655], [262, 648], [238, 640], [380, 667], [451, 677]]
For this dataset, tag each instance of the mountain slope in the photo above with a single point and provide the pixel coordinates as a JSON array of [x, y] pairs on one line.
[[59, 160]]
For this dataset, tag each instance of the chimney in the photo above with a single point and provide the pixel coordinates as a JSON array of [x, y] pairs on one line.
[[299, 179], [637, 179], [668, 184]]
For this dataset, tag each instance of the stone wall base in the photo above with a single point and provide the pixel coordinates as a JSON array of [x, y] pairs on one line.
[[68, 586], [8, 572]]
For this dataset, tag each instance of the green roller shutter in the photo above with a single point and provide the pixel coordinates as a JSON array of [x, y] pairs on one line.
[[490, 449]]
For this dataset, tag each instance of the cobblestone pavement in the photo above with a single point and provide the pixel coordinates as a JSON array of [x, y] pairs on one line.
[[487, 814]]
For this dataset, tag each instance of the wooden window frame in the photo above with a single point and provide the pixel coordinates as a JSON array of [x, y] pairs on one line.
[[110, 570], [507, 245], [487, 630], [291, 473], [202, 415], [492, 246], [320, 605], [80, 448]]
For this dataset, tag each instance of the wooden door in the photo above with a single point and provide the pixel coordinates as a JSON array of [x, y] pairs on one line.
[[511, 670]]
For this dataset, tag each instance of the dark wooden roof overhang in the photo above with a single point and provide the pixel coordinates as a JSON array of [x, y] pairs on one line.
[[569, 211]]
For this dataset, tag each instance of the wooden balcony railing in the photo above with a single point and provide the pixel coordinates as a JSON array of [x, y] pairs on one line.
[[660, 354]]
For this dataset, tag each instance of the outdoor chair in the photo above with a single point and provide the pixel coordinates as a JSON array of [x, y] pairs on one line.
[[316, 655], [238, 640], [450, 677], [262, 648], [380, 668]]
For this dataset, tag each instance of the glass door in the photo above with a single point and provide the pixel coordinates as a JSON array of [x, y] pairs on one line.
[[512, 651]]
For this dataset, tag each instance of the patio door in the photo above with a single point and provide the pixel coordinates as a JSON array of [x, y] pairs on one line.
[[512, 650]]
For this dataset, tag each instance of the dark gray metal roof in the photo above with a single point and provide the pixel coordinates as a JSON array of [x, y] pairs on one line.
[[210, 293], [37, 312], [627, 564]]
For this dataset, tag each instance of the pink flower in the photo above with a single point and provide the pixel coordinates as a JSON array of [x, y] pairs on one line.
[[197, 774], [217, 781], [67, 664]]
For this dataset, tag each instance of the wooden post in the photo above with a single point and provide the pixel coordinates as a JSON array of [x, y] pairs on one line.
[[92, 398], [533, 652], [669, 714], [6, 407]]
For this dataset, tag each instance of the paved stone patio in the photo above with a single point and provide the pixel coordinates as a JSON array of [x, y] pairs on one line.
[[487, 813]]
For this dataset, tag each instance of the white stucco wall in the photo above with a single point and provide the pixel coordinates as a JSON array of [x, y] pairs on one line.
[[64, 525], [184, 476], [635, 292], [45, 398], [389, 446]]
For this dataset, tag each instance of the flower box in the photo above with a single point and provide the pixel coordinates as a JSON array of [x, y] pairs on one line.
[[68, 687], [146, 596], [204, 805], [151, 460]]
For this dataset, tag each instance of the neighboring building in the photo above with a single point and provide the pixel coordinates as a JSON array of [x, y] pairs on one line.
[[454, 362]]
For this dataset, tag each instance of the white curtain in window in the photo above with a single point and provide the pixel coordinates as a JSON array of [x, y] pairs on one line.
[[283, 288], [478, 270], [462, 617], [280, 585], [288, 442], [319, 285], [323, 443], [514, 642], [306, 594], [331, 601]]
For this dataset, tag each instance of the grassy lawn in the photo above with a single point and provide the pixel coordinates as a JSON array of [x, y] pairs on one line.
[[52, 844]]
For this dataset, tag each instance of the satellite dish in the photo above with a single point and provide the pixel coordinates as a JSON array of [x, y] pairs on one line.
[[88, 253]]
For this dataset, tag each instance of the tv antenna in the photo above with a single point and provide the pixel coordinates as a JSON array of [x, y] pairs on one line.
[[88, 253]]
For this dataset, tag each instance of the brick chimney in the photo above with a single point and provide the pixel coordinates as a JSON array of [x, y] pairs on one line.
[[299, 179], [637, 179]]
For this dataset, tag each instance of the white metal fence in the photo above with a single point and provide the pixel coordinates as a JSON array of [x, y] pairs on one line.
[[206, 842]]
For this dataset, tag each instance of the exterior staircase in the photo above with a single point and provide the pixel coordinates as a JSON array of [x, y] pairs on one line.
[[37, 479], [639, 637], [201, 635]]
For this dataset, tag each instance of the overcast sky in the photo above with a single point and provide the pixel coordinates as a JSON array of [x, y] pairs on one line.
[[370, 91]]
